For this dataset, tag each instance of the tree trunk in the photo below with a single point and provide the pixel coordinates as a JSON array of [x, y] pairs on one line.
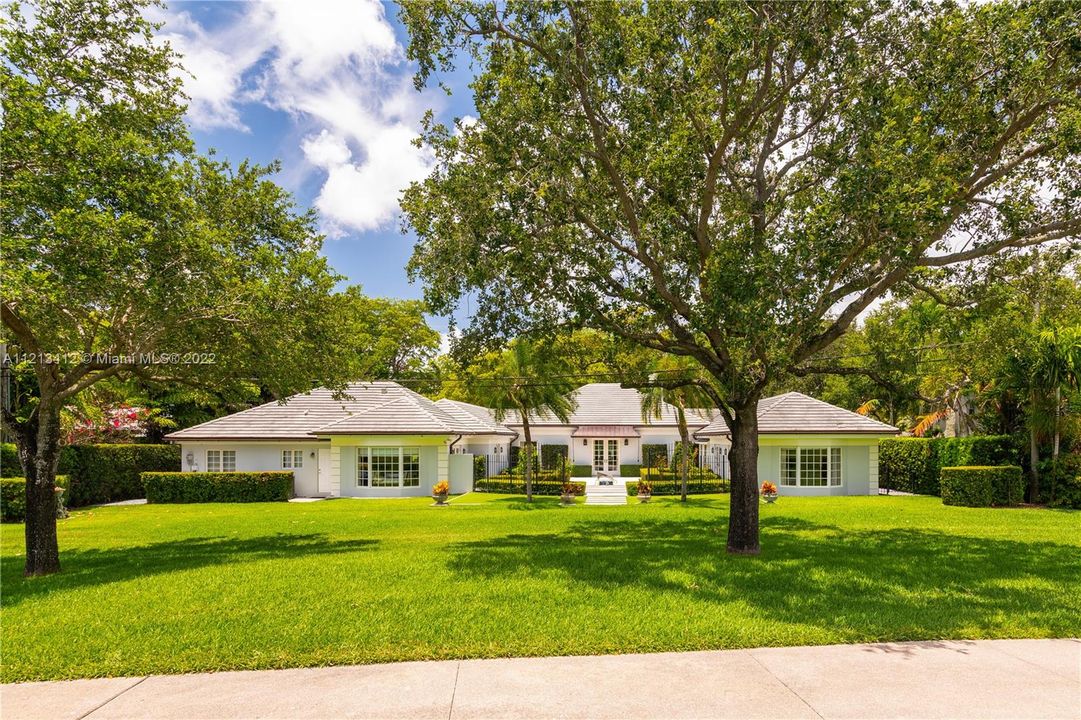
[[38, 442], [527, 450], [743, 500], [1057, 443], [1034, 460], [684, 437]]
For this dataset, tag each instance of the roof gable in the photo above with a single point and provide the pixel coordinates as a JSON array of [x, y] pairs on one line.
[[610, 404], [382, 407], [796, 413]]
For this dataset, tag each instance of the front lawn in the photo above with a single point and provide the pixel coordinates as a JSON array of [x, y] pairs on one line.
[[166, 589]]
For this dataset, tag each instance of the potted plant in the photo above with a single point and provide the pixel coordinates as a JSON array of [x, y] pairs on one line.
[[645, 491], [769, 492], [439, 492], [569, 491]]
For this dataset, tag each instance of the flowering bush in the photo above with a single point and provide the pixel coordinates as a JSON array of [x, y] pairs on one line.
[[441, 488], [570, 488], [769, 488], [645, 487]]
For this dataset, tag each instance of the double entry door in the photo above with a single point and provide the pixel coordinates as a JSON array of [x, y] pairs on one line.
[[606, 456]]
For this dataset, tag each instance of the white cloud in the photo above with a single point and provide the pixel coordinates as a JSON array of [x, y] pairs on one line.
[[337, 69]]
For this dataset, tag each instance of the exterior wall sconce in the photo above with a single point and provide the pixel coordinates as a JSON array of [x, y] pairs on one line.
[[584, 441], [626, 442]]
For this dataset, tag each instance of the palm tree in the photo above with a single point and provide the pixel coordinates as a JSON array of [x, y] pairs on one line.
[[527, 379], [1056, 366], [670, 391]]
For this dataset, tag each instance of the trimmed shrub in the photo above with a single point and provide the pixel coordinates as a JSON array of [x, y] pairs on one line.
[[630, 470], [202, 487], [9, 461], [517, 487], [1068, 493], [694, 474], [552, 456], [13, 498], [914, 464], [651, 452], [582, 471], [105, 473], [480, 467], [981, 486], [538, 476], [694, 487]]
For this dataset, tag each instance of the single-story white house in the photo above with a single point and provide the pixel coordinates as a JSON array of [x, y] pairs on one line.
[[383, 440]]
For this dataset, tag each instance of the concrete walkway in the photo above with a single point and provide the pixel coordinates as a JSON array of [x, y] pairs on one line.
[[954, 679]]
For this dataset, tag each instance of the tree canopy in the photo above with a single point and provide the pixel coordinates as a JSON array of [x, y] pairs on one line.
[[126, 254], [737, 182]]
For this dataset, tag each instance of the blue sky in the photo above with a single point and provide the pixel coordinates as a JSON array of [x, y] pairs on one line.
[[324, 87]]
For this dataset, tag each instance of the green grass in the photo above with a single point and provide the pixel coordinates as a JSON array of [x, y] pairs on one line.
[[166, 589]]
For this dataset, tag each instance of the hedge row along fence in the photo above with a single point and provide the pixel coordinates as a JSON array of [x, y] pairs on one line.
[[694, 487], [223, 487], [103, 473], [13, 498], [517, 487], [975, 486], [915, 464]]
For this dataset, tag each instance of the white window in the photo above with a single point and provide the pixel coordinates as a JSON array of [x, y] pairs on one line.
[[388, 467], [789, 473], [362, 467], [410, 467], [292, 459], [810, 467], [221, 460]]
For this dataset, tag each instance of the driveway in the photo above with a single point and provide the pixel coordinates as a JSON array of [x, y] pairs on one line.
[[946, 679]]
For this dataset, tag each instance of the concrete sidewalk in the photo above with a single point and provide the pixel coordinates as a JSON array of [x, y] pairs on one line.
[[947, 679]]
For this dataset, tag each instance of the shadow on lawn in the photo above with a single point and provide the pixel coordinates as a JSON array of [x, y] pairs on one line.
[[84, 568], [893, 583]]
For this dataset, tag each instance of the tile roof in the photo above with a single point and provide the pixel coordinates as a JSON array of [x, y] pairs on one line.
[[610, 404], [606, 431], [796, 413], [475, 416], [366, 408]]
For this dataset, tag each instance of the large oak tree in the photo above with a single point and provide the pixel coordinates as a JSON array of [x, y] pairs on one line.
[[125, 254], [737, 182]]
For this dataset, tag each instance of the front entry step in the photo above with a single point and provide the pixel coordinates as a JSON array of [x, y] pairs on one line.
[[614, 494]]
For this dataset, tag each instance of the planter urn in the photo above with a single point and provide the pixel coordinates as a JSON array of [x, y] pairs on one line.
[[644, 498], [567, 498], [770, 498], [440, 499]]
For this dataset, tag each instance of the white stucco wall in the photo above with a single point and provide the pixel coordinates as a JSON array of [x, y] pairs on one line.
[[260, 456], [434, 462], [859, 462]]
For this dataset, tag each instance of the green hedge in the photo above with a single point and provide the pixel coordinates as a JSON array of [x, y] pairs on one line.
[[200, 487], [694, 487], [517, 487], [582, 471], [650, 453], [13, 498], [694, 474], [914, 464], [1068, 493], [105, 473], [981, 486], [552, 456], [630, 470], [9, 461]]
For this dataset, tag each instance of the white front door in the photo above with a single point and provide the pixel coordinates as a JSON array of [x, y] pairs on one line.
[[606, 456], [324, 471]]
